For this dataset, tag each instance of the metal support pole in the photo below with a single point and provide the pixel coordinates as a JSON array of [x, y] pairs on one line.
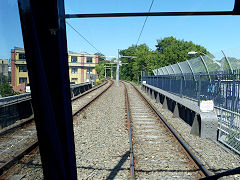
[[205, 65], [199, 88], [105, 69], [111, 71], [45, 43], [227, 61], [233, 99], [157, 60], [117, 72], [233, 90], [181, 86]]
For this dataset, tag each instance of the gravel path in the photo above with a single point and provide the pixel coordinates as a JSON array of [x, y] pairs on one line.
[[101, 138], [213, 155]]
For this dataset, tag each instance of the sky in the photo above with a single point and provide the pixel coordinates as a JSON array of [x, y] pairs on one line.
[[215, 33]]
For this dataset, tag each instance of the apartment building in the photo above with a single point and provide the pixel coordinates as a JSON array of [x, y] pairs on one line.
[[80, 67], [19, 74]]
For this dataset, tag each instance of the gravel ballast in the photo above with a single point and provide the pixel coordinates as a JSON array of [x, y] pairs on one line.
[[213, 155], [101, 138]]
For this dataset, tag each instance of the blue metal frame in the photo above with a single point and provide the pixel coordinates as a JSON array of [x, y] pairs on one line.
[[223, 87]]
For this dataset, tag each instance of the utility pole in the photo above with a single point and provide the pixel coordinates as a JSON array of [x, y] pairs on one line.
[[105, 69], [119, 63], [111, 71], [117, 72]]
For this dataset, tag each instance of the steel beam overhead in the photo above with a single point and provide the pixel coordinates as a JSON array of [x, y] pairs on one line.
[[201, 13], [44, 36]]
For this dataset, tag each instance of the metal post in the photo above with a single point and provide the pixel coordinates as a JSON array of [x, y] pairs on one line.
[[117, 72], [105, 72], [45, 43], [233, 90], [233, 100], [205, 65], [170, 83], [199, 88], [111, 71], [228, 61], [181, 86], [157, 60]]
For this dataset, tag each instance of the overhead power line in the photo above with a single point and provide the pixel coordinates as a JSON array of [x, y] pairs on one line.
[[144, 23], [82, 37]]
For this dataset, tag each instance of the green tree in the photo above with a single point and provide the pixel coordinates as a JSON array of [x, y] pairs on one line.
[[101, 57], [145, 60], [6, 90], [100, 70], [172, 51]]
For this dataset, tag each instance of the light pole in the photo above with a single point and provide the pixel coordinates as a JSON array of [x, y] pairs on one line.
[[158, 48], [105, 68], [111, 71]]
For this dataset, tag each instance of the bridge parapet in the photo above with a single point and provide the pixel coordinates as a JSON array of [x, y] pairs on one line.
[[204, 124], [19, 107]]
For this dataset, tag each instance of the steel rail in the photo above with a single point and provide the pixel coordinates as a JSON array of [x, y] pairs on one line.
[[16, 158], [196, 161], [130, 130], [96, 97], [31, 147]]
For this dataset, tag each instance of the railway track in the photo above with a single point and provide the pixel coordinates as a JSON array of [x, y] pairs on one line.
[[21, 139], [157, 152]]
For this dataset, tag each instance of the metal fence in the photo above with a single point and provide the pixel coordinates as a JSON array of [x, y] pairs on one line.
[[229, 129], [221, 87]]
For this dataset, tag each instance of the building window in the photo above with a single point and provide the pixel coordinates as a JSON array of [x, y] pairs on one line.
[[89, 70], [22, 68], [73, 59], [22, 80], [74, 70], [74, 79], [89, 59], [22, 56]]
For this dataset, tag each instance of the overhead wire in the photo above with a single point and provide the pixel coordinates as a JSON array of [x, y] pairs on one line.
[[82, 36], [144, 22]]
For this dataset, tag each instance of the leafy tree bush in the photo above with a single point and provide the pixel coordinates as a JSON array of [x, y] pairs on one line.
[[6, 90], [172, 51]]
